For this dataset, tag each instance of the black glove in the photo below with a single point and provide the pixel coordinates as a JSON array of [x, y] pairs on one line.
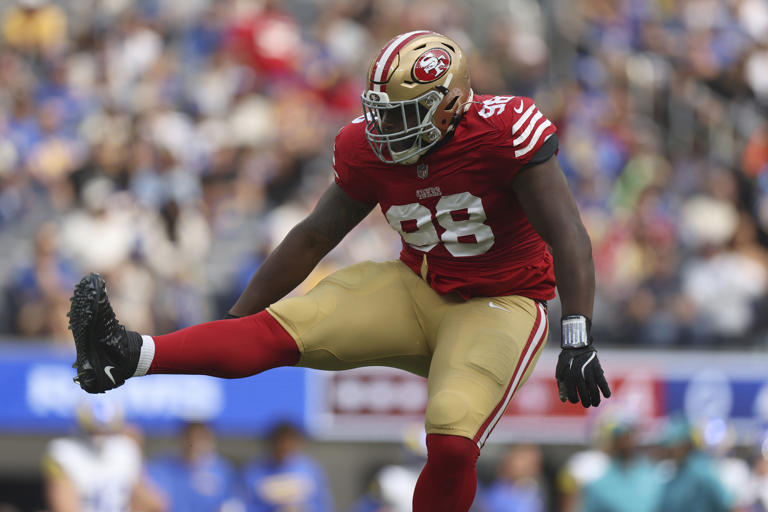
[[578, 372]]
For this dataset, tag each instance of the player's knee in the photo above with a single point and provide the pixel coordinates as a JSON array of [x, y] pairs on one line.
[[451, 451], [446, 409]]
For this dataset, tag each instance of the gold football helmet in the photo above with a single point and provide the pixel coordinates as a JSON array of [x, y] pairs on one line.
[[418, 88]]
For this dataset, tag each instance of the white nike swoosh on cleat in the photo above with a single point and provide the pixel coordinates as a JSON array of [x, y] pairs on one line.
[[108, 371], [491, 304]]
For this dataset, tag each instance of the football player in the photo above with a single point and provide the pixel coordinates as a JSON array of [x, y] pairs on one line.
[[472, 186], [100, 469]]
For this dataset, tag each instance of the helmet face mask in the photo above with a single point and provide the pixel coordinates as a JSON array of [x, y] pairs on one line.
[[399, 130], [418, 88]]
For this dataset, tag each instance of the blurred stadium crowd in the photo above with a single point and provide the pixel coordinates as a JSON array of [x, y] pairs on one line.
[[169, 145], [675, 472]]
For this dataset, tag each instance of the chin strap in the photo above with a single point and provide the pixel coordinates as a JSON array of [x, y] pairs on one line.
[[463, 108]]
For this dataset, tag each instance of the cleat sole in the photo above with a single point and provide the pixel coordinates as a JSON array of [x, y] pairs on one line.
[[85, 305]]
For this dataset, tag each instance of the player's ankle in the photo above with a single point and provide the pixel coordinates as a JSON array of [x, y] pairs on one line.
[[146, 355]]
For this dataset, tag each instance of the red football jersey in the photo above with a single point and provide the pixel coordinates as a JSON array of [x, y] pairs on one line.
[[456, 205]]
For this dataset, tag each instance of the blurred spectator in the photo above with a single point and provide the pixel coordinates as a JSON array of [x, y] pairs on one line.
[[286, 479], [390, 490], [101, 469], [270, 40], [759, 485], [38, 296], [693, 482], [177, 242], [35, 26], [578, 471], [630, 483], [101, 235], [717, 438], [199, 480], [519, 483], [392, 485]]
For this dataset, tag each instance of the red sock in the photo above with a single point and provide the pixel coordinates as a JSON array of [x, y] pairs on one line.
[[226, 348], [449, 480]]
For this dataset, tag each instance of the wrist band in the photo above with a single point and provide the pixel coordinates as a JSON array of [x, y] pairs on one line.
[[575, 331]]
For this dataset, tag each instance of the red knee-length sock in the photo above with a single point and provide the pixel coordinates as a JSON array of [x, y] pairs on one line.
[[449, 480], [226, 348]]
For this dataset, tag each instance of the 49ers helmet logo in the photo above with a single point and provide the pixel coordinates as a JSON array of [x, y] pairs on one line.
[[431, 65]]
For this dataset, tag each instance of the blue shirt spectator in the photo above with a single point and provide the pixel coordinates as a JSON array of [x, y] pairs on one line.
[[287, 479], [503, 497], [198, 481], [517, 487]]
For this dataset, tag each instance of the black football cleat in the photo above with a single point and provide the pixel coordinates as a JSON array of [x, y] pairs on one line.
[[107, 353]]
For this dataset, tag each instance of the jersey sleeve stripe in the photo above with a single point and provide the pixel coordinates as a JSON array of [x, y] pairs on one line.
[[536, 136], [523, 118], [523, 136]]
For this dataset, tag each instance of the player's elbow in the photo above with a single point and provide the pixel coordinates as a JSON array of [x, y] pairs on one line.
[[311, 239], [582, 239]]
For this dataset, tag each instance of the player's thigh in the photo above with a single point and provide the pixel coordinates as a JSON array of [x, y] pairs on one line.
[[485, 350], [359, 316]]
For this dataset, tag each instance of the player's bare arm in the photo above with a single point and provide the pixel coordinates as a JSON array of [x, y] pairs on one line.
[[61, 493], [543, 192], [303, 247]]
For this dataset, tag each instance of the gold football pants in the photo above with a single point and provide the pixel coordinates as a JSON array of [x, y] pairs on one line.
[[475, 354]]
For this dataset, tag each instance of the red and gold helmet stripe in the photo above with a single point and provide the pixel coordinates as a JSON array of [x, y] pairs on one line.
[[380, 68]]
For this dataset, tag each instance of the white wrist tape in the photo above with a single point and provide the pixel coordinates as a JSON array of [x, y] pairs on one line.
[[574, 332]]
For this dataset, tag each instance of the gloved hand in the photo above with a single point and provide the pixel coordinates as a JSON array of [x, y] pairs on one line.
[[579, 375], [578, 372]]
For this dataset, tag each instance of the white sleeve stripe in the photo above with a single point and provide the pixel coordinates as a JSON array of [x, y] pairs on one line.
[[536, 136], [523, 118], [527, 131]]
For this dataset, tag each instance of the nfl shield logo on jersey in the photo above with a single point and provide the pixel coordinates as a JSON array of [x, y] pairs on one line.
[[422, 170]]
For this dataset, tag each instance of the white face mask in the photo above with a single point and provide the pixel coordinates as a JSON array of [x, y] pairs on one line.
[[400, 131]]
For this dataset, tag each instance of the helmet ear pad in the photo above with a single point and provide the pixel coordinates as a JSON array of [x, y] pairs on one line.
[[450, 109]]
